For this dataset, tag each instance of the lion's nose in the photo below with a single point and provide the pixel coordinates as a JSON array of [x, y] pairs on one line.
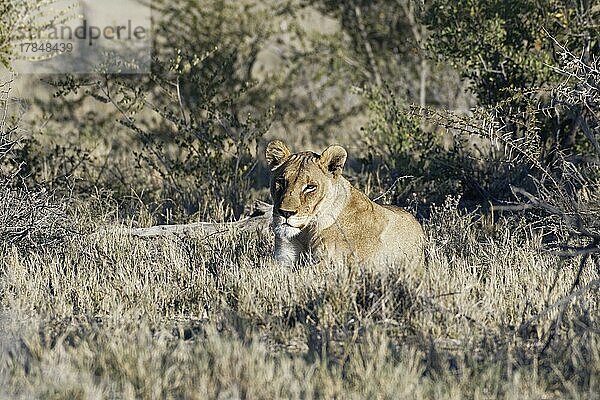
[[286, 213]]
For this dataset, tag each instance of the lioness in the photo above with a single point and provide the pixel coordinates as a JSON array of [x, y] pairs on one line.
[[318, 213]]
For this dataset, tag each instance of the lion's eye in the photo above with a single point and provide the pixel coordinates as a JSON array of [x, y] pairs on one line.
[[310, 188]]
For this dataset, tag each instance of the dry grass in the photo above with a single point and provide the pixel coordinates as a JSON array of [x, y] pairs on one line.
[[111, 316]]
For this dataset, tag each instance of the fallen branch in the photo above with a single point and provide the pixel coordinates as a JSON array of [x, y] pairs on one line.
[[259, 219]]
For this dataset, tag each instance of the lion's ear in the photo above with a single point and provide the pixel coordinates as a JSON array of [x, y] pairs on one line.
[[333, 159], [276, 153]]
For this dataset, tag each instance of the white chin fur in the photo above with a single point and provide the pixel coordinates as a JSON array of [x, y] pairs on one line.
[[287, 231]]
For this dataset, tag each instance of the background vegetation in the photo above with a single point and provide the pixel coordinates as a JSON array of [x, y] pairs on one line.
[[481, 117]]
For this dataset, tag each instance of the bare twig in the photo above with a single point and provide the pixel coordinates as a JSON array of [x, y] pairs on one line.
[[392, 186], [561, 303], [180, 100]]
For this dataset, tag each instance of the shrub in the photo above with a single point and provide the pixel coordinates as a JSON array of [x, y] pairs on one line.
[[504, 49], [191, 135], [29, 216], [403, 155]]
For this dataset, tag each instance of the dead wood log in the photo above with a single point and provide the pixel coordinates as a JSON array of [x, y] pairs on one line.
[[258, 219]]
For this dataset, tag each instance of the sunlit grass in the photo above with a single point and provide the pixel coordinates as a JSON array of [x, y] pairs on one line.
[[113, 316]]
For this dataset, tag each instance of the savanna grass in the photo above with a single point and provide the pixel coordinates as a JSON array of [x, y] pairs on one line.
[[112, 316]]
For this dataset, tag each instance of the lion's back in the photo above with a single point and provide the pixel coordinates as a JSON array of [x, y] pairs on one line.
[[405, 230], [405, 219]]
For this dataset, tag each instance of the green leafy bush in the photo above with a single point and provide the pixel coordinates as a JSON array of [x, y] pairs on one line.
[[507, 50]]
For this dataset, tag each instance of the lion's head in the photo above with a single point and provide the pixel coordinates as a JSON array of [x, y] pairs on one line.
[[302, 185]]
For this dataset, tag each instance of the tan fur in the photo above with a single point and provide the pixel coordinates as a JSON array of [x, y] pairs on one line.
[[318, 214]]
